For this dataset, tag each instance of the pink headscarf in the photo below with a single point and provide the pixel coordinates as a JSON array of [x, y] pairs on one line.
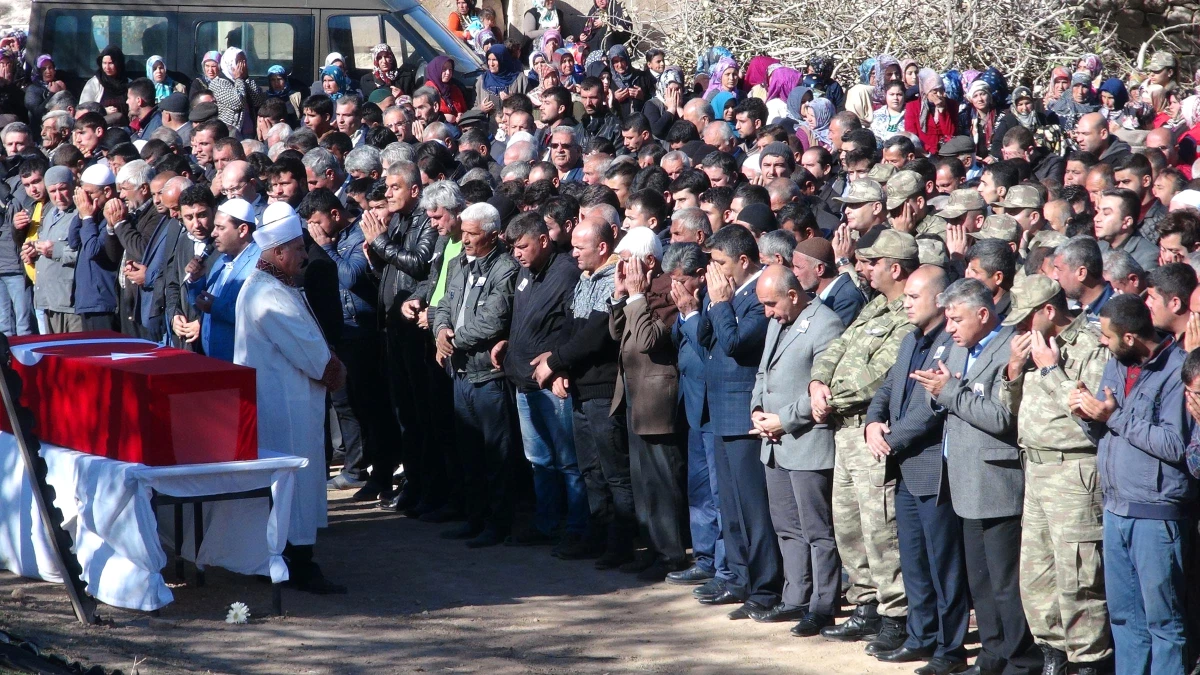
[[756, 71], [782, 82], [714, 76]]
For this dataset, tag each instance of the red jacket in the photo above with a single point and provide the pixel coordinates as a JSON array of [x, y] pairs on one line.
[[456, 105], [935, 133]]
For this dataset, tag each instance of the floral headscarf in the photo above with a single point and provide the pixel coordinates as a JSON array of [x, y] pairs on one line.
[[756, 71], [882, 63], [483, 40], [287, 90], [715, 76], [229, 60], [161, 89], [782, 82], [1028, 120], [547, 17], [823, 111], [669, 75], [822, 66], [952, 83], [928, 80], [551, 35], [1093, 64], [864, 71], [999, 86], [384, 76], [339, 78], [1190, 111], [39, 64], [215, 57]]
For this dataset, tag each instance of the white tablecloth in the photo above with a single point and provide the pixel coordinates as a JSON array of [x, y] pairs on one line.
[[119, 540]]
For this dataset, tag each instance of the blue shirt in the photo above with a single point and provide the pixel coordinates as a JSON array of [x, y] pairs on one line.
[[975, 351], [356, 285]]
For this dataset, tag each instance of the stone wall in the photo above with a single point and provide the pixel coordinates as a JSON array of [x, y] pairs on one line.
[[1140, 20]]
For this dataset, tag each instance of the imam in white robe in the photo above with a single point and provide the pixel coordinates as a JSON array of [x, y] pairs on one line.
[[277, 336]]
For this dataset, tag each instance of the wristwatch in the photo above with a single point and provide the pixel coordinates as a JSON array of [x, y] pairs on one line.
[[842, 262], [1046, 371]]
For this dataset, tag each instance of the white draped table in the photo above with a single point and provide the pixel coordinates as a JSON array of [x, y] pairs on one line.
[[119, 537]]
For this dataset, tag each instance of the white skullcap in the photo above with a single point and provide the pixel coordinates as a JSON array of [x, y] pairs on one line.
[[238, 208], [1189, 199], [98, 174], [518, 137], [280, 225], [139, 144], [641, 241]]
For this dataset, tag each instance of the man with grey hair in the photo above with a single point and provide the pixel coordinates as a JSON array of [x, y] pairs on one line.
[[400, 252], [693, 225], [54, 287], [521, 151], [699, 112], [720, 136], [253, 145], [471, 319], [278, 133], [398, 120], [56, 130], [439, 132], [565, 154], [169, 136], [595, 166], [395, 152], [1124, 273], [1079, 269], [347, 118], [324, 171], [364, 162], [775, 247], [674, 163], [606, 213], [518, 171], [984, 469], [133, 220]]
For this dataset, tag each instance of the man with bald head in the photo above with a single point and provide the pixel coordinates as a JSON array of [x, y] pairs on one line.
[[1056, 213], [239, 180], [169, 197], [798, 452], [1092, 135], [720, 136], [521, 151], [699, 112]]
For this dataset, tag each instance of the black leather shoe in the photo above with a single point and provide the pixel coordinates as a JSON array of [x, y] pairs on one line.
[[722, 598], [863, 624], [978, 670], [488, 537], [530, 537], [708, 589], [744, 611], [1106, 666], [464, 531], [1054, 661], [366, 493], [891, 636], [613, 559], [779, 614], [576, 547], [444, 514], [941, 666], [904, 654], [690, 577], [811, 624], [641, 561]]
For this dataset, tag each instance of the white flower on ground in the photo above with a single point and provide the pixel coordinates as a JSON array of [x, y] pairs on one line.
[[238, 613]]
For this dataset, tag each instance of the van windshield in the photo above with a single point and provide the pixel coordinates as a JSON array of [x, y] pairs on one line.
[[421, 28]]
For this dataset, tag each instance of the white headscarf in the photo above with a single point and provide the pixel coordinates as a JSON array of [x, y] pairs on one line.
[[228, 59]]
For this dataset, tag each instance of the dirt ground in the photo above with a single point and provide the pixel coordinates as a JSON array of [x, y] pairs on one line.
[[419, 603]]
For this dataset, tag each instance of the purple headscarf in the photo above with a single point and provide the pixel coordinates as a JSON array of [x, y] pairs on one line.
[[714, 76], [782, 82]]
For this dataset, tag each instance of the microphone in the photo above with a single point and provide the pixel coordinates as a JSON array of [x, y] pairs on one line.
[[208, 250]]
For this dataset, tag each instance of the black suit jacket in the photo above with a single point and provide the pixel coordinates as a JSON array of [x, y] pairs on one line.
[[916, 428], [322, 291], [176, 292]]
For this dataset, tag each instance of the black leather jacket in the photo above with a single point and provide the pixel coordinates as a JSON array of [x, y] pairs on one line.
[[406, 250]]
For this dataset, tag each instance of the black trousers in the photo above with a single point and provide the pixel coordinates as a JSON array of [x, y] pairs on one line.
[[750, 548], [993, 550], [485, 416], [802, 513], [602, 450], [368, 428], [658, 467], [442, 473], [406, 348], [935, 574]]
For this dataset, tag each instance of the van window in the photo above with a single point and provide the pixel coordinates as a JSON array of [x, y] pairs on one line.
[[75, 37], [420, 28], [354, 36], [266, 43]]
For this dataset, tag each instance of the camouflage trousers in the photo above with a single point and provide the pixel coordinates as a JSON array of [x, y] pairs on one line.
[[1062, 574], [864, 525]]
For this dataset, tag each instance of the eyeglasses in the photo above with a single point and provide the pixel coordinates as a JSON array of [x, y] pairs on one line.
[[561, 146]]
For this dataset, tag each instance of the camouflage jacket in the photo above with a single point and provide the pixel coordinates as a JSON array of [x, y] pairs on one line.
[[932, 225], [854, 365], [1039, 402]]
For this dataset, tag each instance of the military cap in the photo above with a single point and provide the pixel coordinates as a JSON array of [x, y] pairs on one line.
[[962, 201], [1030, 295], [892, 244], [1021, 197], [901, 186], [881, 172], [862, 191], [1000, 226], [1047, 239], [931, 251], [1161, 61]]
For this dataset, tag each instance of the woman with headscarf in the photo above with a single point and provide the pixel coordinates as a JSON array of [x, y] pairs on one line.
[[45, 83], [934, 117], [108, 85], [1155, 97], [1113, 98], [780, 84], [820, 80], [156, 72], [543, 16], [334, 82], [709, 57], [237, 94], [501, 76], [279, 87], [631, 87], [210, 67], [545, 76], [569, 75], [888, 120], [757, 73], [722, 77], [866, 71], [1175, 109], [1075, 104], [1092, 65], [1060, 82], [858, 101], [817, 116], [465, 20], [550, 42], [977, 117], [385, 71], [667, 104], [439, 75], [908, 70], [887, 69], [1023, 112], [12, 95], [797, 98], [1189, 140], [606, 25]]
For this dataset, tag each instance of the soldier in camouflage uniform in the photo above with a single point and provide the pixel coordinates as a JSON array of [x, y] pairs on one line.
[[1062, 580], [907, 209], [845, 378]]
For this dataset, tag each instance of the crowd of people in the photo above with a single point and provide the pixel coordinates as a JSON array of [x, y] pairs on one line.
[[921, 346]]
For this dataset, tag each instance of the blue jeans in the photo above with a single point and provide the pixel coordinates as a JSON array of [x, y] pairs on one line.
[[548, 436], [16, 305], [1143, 576], [704, 516]]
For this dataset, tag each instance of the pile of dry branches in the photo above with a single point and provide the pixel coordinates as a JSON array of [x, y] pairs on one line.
[[1026, 39]]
